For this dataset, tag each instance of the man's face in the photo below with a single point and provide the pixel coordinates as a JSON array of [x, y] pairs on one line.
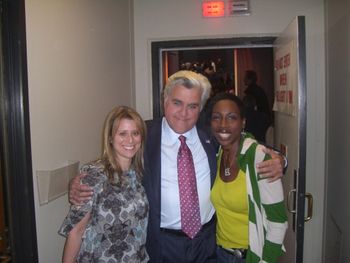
[[182, 107]]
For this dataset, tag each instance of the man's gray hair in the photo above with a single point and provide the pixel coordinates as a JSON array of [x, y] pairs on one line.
[[189, 79]]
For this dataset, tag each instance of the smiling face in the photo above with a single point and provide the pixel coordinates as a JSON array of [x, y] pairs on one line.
[[126, 142], [182, 107], [227, 123]]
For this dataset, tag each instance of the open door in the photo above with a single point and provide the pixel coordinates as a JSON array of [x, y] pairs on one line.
[[290, 130]]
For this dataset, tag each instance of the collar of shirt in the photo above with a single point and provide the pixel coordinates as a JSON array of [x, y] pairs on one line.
[[170, 137]]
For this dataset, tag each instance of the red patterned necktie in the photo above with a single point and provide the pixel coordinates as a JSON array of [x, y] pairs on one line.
[[189, 204]]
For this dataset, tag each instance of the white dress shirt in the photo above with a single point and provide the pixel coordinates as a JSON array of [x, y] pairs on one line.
[[170, 200]]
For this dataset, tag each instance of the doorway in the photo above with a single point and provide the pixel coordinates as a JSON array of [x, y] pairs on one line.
[[296, 34], [163, 64], [241, 71]]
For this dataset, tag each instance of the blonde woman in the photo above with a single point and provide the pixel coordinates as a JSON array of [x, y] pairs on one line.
[[112, 226]]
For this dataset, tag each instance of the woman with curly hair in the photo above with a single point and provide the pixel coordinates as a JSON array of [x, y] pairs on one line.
[[250, 210]]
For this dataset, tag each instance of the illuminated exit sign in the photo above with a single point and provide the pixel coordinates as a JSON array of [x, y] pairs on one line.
[[213, 9]]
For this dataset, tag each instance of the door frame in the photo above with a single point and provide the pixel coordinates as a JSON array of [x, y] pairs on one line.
[[218, 43], [15, 149], [302, 138], [245, 42]]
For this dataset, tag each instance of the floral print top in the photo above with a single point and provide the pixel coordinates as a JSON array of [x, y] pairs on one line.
[[117, 228]]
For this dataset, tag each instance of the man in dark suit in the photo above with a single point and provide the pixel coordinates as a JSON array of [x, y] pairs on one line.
[[184, 96]]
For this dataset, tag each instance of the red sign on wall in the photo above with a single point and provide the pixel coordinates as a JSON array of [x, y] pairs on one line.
[[213, 9]]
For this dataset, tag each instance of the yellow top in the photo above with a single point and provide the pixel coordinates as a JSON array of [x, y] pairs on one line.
[[231, 205]]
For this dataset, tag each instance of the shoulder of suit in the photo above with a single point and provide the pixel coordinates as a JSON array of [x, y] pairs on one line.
[[153, 123]]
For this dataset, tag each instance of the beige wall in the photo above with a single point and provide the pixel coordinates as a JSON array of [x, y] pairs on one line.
[[79, 60], [181, 19], [79, 55], [338, 130]]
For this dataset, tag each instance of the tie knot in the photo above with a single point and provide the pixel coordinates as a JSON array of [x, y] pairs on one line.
[[182, 139]]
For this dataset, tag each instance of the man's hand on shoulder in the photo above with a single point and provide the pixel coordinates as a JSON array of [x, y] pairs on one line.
[[79, 193], [273, 168]]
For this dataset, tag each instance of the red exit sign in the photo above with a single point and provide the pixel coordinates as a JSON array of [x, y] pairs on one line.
[[213, 9]]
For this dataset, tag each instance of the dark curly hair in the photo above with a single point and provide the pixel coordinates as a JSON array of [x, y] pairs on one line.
[[225, 96]]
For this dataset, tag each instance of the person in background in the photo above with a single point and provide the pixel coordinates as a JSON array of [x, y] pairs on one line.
[[251, 216], [257, 122], [252, 89], [208, 70], [169, 140], [112, 226]]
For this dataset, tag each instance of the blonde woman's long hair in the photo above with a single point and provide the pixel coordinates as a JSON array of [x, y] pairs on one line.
[[108, 153]]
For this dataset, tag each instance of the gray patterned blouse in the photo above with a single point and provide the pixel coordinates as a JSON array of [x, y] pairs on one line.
[[117, 228]]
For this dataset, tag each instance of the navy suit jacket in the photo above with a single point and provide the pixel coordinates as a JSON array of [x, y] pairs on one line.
[[151, 179]]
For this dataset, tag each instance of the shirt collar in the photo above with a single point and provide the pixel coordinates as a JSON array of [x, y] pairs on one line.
[[170, 137]]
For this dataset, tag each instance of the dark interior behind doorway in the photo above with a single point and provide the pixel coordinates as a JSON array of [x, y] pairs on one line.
[[236, 54]]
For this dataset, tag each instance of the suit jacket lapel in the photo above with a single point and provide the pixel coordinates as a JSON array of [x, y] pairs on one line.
[[153, 165], [210, 148]]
